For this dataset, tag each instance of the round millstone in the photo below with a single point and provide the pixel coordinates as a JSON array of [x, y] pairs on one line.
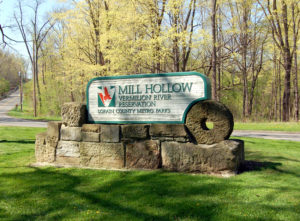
[[209, 111]]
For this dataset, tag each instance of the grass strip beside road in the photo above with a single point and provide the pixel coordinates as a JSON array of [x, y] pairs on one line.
[[268, 126], [27, 114], [270, 192]]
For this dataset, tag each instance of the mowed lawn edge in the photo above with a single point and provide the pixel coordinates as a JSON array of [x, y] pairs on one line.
[[268, 126], [269, 191]]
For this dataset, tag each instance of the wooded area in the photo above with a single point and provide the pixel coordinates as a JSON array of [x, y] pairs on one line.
[[248, 48], [10, 67]]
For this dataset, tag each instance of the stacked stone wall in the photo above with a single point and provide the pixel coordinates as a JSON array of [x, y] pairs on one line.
[[172, 147]]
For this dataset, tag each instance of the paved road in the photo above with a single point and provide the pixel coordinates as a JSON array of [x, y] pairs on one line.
[[8, 104], [273, 135]]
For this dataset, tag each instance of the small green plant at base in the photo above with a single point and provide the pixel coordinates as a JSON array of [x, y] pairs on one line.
[[269, 191]]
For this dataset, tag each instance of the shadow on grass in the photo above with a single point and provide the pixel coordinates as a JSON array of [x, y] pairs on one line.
[[113, 196], [58, 194], [18, 141], [251, 165], [267, 163]]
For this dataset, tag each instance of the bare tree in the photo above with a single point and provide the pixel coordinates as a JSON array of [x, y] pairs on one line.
[[214, 51], [296, 21], [2, 32], [182, 22], [33, 36], [277, 15], [2, 35]]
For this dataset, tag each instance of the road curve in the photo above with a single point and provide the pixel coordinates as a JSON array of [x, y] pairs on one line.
[[9, 103]]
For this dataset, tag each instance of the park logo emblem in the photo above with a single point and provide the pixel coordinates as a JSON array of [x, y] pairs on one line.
[[106, 96]]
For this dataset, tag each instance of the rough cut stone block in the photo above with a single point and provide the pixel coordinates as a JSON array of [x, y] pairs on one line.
[[135, 131], [181, 139], [53, 129], [168, 130], [40, 147], [72, 161], [163, 138], [90, 137], [51, 144], [215, 112], [143, 155], [73, 114], [96, 128], [110, 133], [68, 149], [71, 133], [102, 155], [224, 156]]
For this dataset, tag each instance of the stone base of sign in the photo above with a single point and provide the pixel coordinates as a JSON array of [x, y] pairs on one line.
[[102, 155], [134, 146], [46, 143], [40, 147], [73, 114], [143, 154], [189, 147], [226, 155]]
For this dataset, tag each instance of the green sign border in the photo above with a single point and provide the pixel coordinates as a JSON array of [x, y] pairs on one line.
[[207, 93]]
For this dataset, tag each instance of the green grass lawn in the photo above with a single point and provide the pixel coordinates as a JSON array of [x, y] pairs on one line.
[[271, 126], [27, 113], [271, 192]]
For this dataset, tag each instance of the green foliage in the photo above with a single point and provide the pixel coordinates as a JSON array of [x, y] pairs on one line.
[[269, 126], [121, 37], [268, 192], [27, 113], [4, 86], [48, 111], [53, 96], [10, 66]]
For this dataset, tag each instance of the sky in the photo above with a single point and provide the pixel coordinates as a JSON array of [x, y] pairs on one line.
[[7, 9]]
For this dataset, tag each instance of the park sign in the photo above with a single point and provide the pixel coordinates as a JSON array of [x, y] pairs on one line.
[[147, 98]]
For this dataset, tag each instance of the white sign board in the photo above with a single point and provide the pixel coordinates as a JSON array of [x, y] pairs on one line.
[[148, 98]]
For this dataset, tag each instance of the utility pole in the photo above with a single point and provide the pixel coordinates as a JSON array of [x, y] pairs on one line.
[[21, 91]]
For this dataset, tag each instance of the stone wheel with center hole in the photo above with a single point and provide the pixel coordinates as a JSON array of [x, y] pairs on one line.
[[209, 111]]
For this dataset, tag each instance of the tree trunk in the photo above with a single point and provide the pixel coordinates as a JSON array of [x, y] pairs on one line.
[[34, 83], [276, 84], [21, 91], [287, 56], [245, 95], [214, 51], [296, 89], [37, 79], [43, 72], [176, 58], [280, 91], [287, 87], [244, 39]]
